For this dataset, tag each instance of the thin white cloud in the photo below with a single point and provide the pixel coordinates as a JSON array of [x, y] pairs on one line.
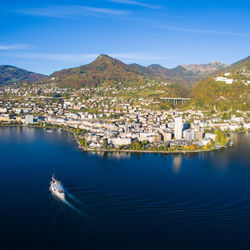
[[107, 11], [63, 57], [14, 47], [204, 31], [83, 58], [62, 11], [132, 2]]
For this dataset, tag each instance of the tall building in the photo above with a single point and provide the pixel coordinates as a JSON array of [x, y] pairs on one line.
[[178, 126], [189, 135], [29, 119]]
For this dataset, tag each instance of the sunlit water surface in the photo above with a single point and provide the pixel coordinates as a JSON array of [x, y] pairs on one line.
[[121, 201]]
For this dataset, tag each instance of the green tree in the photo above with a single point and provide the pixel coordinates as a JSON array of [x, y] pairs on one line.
[[105, 143], [221, 138]]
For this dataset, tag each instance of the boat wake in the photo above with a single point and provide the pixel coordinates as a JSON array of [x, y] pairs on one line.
[[72, 206], [72, 197]]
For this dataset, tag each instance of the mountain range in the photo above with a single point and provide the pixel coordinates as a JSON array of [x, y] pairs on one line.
[[183, 73], [108, 69]]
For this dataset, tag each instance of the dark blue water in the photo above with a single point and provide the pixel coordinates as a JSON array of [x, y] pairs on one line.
[[121, 201]]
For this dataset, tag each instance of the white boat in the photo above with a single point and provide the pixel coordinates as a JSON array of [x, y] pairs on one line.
[[56, 188]]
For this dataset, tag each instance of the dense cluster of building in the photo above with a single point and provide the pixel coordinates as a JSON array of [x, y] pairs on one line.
[[115, 121]]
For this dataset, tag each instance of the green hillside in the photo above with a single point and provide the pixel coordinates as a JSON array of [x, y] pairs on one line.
[[210, 93], [10, 74], [107, 69], [103, 69]]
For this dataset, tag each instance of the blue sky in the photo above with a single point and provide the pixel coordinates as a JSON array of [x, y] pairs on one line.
[[45, 36]]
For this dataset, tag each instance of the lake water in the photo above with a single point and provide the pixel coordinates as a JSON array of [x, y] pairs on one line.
[[121, 201]]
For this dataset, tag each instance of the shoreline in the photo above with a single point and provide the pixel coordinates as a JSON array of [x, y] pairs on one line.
[[143, 151], [100, 150]]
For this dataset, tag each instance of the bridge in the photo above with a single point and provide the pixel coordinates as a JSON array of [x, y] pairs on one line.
[[175, 99]]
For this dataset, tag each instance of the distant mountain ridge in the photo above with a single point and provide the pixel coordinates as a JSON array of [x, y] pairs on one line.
[[205, 68], [183, 73], [107, 69], [10, 74]]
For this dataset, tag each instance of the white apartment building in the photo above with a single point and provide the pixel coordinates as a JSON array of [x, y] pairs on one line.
[[178, 126]]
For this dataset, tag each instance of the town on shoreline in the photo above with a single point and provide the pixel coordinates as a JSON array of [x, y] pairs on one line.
[[117, 124]]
